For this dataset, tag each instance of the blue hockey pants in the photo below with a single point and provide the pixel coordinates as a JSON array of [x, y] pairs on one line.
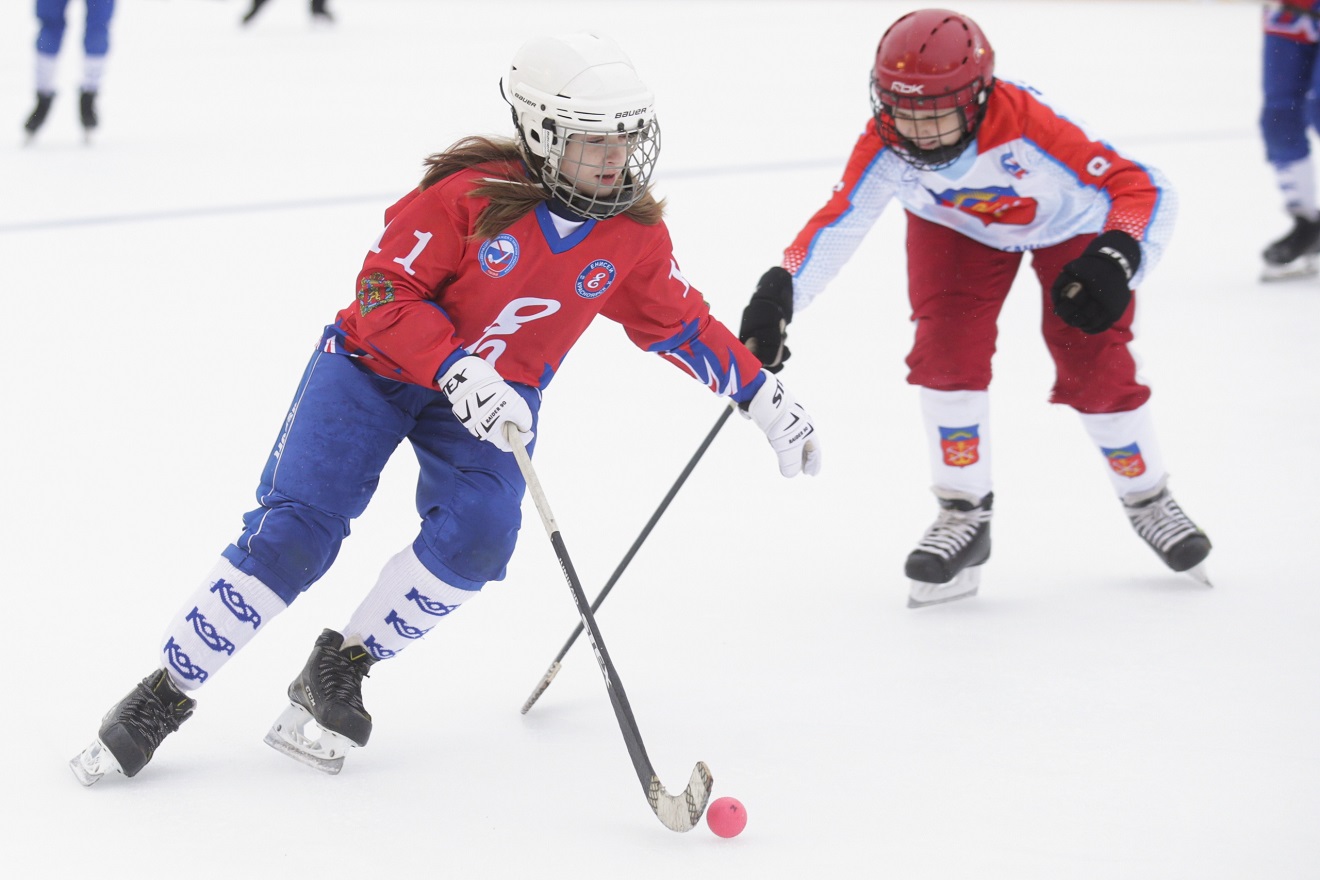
[[96, 31], [1291, 98], [342, 427]]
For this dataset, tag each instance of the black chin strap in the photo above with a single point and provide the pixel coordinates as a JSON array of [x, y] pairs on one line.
[[561, 209]]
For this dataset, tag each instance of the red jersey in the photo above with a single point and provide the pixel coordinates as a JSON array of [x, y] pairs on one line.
[[431, 291], [1297, 20]]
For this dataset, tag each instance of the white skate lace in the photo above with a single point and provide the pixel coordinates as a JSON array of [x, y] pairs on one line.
[[952, 531], [1161, 523]]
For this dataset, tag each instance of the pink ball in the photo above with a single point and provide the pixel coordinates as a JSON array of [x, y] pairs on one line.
[[726, 817]]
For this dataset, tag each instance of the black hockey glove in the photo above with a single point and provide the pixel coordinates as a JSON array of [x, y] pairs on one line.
[[1094, 290], [766, 317]]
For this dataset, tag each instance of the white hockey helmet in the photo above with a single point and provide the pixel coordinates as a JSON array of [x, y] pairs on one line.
[[579, 94]]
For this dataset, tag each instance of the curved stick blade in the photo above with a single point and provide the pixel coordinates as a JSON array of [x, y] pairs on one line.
[[682, 812], [541, 686]]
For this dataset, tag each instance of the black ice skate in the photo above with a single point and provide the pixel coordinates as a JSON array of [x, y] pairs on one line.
[[132, 731], [1162, 524], [38, 116], [252, 13], [328, 694], [947, 562], [1294, 255], [87, 112]]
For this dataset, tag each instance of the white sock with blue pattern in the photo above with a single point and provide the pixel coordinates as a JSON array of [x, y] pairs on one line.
[[403, 606], [222, 616]]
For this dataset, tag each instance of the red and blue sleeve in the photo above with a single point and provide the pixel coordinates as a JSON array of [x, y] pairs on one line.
[[662, 313]]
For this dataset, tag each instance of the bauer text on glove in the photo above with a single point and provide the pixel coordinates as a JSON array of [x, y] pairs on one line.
[[483, 402], [766, 317], [788, 428], [1094, 290]]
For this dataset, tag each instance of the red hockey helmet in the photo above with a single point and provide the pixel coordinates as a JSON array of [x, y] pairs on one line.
[[929, 61]]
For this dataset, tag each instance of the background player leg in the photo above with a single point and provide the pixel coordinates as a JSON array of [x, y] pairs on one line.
[[1288, 75], [946, 564]]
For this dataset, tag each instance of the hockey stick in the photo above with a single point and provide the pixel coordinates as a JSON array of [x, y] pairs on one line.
[[676, 812], [627, 558]]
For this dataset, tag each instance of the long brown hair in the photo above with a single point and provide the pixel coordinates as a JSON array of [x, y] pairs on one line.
[[518, 193]]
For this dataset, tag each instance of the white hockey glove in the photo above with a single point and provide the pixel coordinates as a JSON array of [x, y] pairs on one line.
[[787, 426], [484, 402]]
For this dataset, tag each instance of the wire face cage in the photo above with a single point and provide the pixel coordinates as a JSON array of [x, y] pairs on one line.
[[600, 174]]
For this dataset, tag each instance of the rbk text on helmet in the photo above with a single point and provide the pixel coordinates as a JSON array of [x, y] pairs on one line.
[[929, 61]]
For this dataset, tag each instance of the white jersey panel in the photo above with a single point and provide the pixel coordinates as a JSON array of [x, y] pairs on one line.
[[834, 245], [1019, 195]]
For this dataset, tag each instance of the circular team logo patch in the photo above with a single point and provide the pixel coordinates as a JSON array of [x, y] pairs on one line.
[[595, 279], [498, 255]]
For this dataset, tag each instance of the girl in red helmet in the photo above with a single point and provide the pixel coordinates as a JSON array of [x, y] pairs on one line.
[[987, 171]]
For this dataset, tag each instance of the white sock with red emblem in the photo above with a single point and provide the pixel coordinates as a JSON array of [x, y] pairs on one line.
[[958, 435], [1127, 442]]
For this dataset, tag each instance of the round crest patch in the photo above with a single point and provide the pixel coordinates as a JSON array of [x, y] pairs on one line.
[[595, 279], [498, 255]]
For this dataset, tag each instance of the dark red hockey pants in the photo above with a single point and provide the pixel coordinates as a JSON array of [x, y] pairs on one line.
[[957, 287]]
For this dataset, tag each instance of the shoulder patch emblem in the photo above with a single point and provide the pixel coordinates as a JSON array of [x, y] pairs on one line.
[[373, 291]]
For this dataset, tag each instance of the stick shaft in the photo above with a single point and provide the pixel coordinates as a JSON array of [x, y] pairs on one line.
[[618, 697], [553, 669], [679, 812]]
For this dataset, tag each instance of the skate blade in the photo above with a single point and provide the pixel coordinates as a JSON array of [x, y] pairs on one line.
[[1302, 267], [92, 763], [288, 736], [1199, 574], [963, 586]]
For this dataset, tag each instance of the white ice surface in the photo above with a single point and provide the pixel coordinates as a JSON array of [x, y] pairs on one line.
[[1089, 716]]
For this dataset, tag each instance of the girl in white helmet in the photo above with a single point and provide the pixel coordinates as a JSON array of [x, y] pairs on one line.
[[483, 278]]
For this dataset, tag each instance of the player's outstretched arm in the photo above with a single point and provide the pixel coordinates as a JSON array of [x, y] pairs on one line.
[[765, 319], [787, 426]]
